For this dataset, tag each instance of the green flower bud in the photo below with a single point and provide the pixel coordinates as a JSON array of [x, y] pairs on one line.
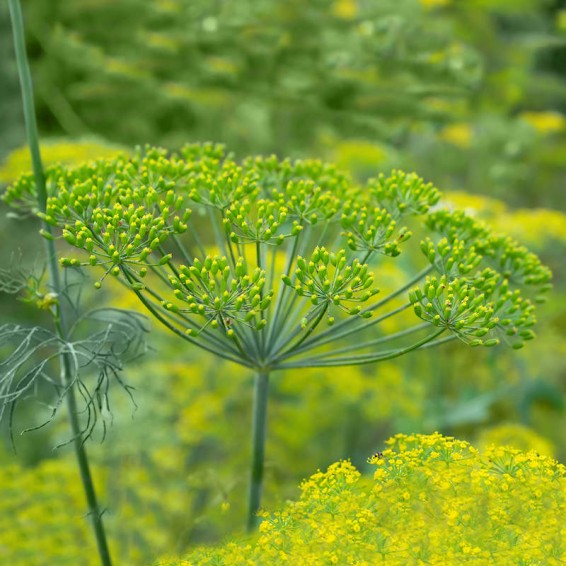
[[69, 237], [46, 234]]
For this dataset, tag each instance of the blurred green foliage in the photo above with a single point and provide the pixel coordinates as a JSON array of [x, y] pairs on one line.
[[470, 94], [467, 93]]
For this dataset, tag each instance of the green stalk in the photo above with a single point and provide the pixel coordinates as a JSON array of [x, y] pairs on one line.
[[367, 358], [55, 282], [218, 231], [261, 335], [259, 426], [326, 337], [155, 311], [306, 333], [286, 297], [374, 342], [289, 258], [351, 320]]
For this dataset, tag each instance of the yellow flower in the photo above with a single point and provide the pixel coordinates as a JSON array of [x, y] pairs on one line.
[[545, 122], [457, 134], [516, 436], [431, 4], [56, 151], [345, 9], [358, 155], [534, 227]]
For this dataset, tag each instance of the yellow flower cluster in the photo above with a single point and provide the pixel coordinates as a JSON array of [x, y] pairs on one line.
[[345, 9], [545, 122], [430, 4], [42, 516], [432, 500], [44, 519], [457, 134], [56, 151], [533, 227], [357, 154], [517, 436]]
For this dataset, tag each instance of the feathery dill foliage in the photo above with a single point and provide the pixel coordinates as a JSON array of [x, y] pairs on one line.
[[293, 266], [99, 343], [432, 499]]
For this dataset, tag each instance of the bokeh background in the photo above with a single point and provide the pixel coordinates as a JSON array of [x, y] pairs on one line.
[[470, 94]]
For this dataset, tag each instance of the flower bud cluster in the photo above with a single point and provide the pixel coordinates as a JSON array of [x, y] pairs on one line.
[[515, 263], [328, 278], [371, 224], [306, 201], [221, 294], [206, 152], [457, 225], [515, 315], [115, 221], [277, 174], [22, 194], [456, 306], [403, 193], [155, 168], [130, 215], [221, 185], [259, 222], [372, 230], [481, 310], [452, 258], [494, 267]]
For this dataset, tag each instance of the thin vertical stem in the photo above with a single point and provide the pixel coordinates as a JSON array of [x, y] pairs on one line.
[[84, 468], [55, 281], [259, 427]]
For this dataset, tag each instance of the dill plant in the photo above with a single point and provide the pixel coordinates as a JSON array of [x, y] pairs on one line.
[[77, 342], [274, 264]]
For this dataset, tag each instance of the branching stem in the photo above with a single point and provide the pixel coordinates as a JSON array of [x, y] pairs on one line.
[[290, 257], [364, 359], [374, 342], [161, 318], [331, 334]]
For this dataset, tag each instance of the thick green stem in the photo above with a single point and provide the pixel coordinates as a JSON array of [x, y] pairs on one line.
[[259, 426], [55, 281]]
